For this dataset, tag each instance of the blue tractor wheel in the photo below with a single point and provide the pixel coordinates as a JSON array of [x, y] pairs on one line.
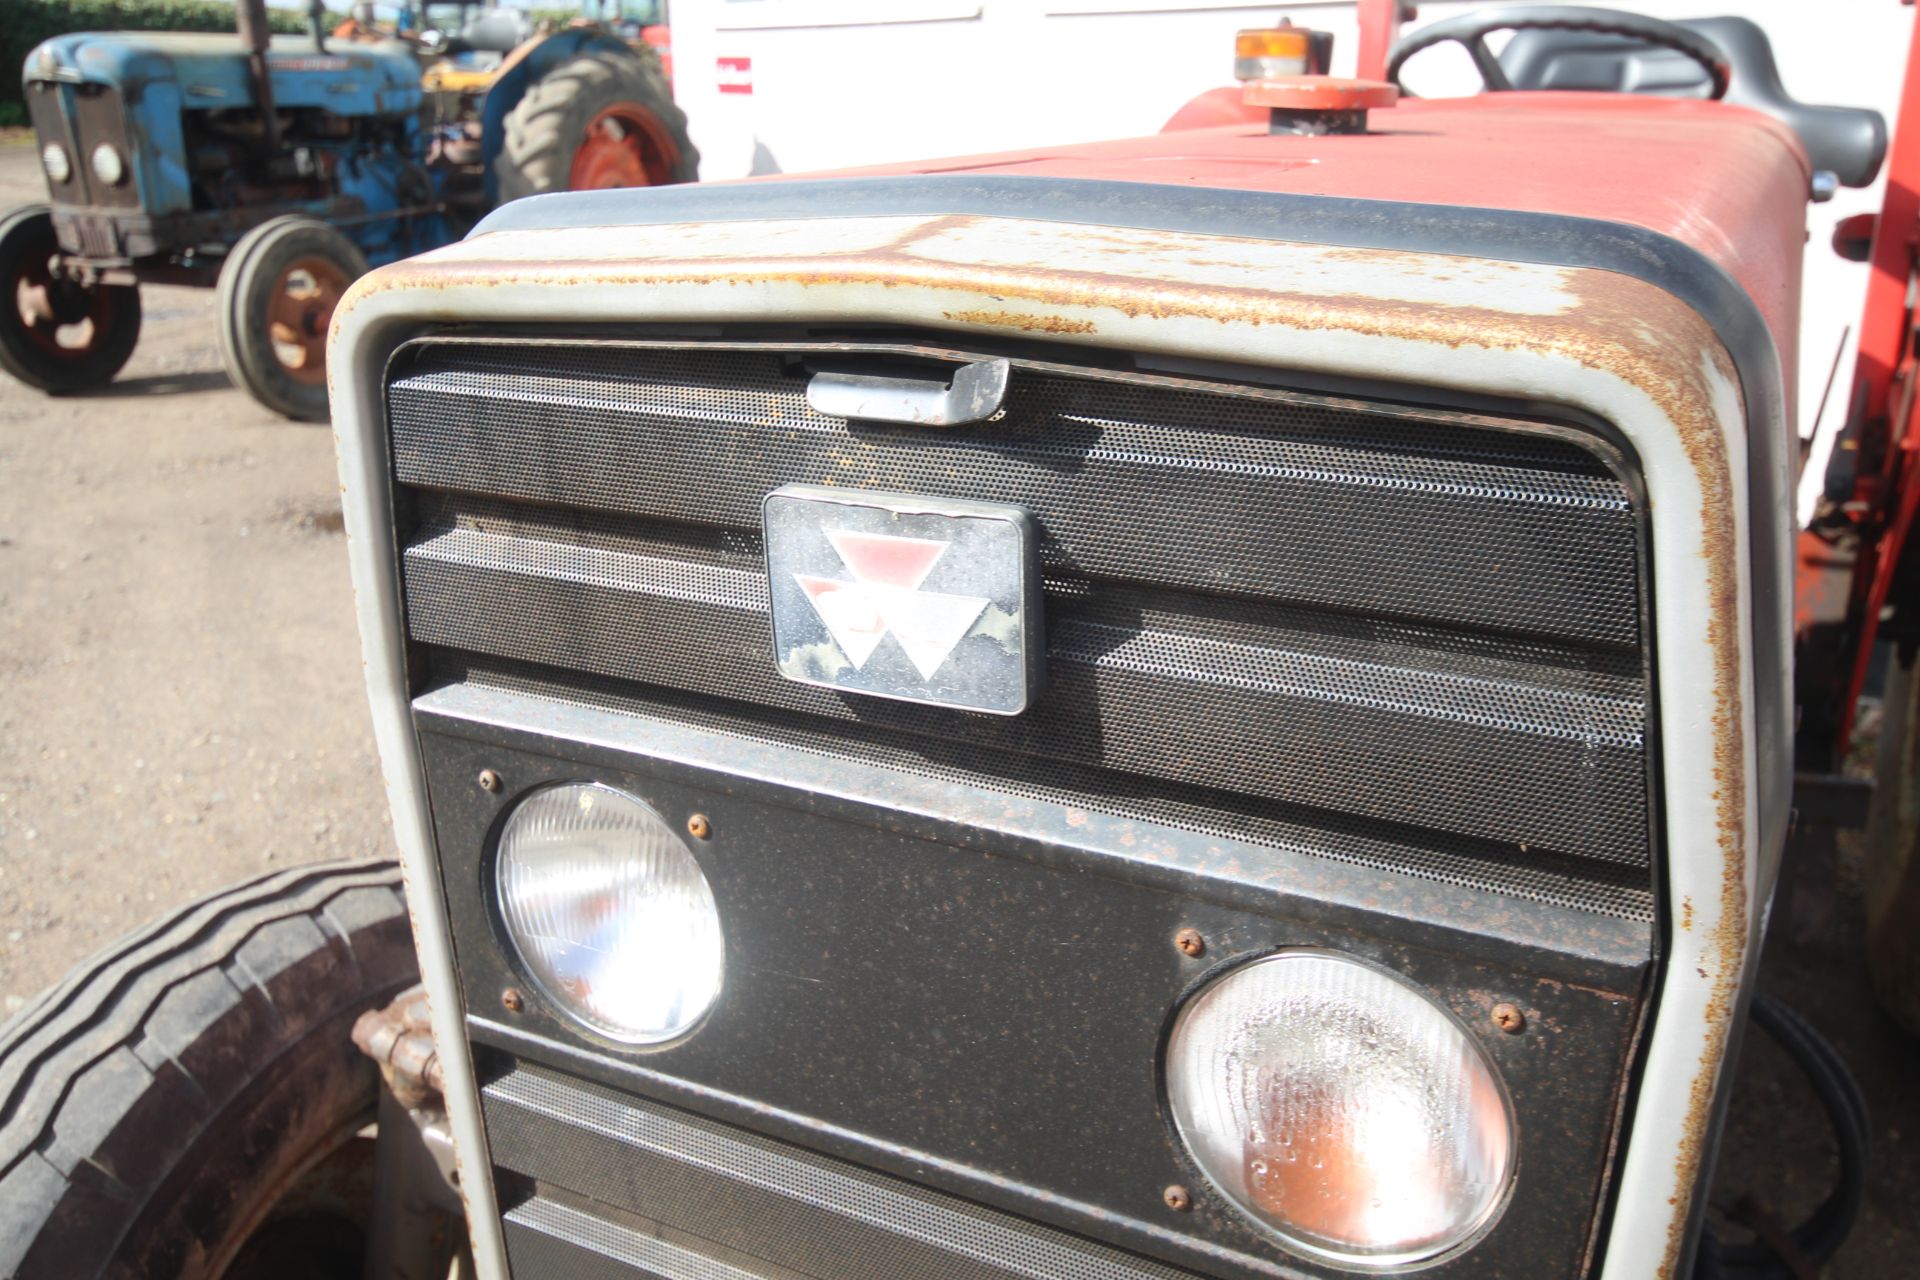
[[277, 292], [58, 334]]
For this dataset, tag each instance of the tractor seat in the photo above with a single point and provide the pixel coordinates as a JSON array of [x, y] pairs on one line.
[[1849, 141]]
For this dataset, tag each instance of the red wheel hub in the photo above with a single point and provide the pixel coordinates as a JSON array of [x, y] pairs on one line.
[[298, 313], [624, 146], [64, 319]]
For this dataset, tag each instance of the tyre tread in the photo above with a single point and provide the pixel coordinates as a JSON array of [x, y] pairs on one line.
[[533, 156], [104, 1003], [105, 363], [120, 1036]]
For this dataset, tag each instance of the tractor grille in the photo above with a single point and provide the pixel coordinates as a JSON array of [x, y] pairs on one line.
[[81, 117], [607, 1166], [1402, 637], [87, 235]]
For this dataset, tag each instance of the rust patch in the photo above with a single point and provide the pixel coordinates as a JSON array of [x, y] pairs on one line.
[[1370, 257], [1689, 407], [935, 227], [1022, 321], [1641, 321], [1059, 289]]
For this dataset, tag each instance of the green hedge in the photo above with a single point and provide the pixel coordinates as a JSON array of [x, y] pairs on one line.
[[28, 22]]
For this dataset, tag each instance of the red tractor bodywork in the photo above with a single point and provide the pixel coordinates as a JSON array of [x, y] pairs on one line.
[[1726, 181], [1850, 558]]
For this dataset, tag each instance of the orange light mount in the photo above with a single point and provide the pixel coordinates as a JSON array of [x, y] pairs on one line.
[[1260, 53], [1318, 104]]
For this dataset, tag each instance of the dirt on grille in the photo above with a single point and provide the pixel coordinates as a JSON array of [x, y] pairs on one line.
[[181, 707]]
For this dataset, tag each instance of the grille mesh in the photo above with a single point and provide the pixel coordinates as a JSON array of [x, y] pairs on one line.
[[793, 1208], [1536, 875], [1373, 720], [1179, 488], [1407, 643]]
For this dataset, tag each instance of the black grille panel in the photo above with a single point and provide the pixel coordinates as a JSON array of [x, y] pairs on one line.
[[1253, 497], [762, 1202], [1539, 875], [98, 116], [1373, 719], [1300, 614]]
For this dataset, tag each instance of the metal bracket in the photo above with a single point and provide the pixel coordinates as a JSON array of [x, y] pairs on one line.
[[1831, 800], [975, 394], [418, 1212]]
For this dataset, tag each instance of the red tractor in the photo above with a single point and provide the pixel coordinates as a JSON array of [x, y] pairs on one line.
[[1219, 704]]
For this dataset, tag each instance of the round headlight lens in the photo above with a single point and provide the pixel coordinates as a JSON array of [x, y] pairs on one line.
[[53, 158], [1341, 1109], [609, 912], [107, 165]]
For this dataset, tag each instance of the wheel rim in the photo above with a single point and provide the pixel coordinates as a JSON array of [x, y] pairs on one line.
[[298, 313], [317, 1177], [65, 321], [624, 146]]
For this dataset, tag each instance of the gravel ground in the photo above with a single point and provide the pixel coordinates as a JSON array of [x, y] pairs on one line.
[[180, 696], [181, 706]]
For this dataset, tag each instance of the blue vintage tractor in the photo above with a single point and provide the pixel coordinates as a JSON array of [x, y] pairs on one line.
[[280, 168]]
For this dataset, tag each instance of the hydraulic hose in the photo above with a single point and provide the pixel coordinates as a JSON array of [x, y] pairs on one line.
[[1817, 1239]]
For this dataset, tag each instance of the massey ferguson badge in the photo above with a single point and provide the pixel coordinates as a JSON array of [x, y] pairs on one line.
[[915, 598]]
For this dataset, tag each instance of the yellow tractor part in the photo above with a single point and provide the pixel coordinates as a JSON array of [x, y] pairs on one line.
[[444, 77]]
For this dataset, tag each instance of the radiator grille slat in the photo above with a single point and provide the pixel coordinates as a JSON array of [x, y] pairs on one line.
[[1172, 488], [800, 1211], [1277, 614], [1136, 686], [1611, 889]]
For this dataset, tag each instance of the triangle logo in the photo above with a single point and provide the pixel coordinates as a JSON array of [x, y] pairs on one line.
[[884, 599]]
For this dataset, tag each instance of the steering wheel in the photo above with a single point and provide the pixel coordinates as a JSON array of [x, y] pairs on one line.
[[1472, 30]]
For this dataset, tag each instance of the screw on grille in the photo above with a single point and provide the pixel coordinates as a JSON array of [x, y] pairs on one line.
[[1191, 944], [512, 1001], [1509, 1019], [698, 827], [489, 780], [1177, 1198]]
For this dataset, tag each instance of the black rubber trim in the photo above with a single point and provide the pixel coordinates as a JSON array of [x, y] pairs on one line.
[[1498, 234]]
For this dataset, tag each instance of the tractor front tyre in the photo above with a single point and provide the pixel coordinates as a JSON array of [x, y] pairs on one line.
[[600, 120], [278, 289], [57, 334], [189, 1103]]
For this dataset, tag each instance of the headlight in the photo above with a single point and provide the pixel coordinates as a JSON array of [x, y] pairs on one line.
[[1341, 1109], [53, 157], [609, 912], [107, 165]]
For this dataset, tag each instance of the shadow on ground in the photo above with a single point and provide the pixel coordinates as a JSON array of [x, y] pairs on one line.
[[161, 384]]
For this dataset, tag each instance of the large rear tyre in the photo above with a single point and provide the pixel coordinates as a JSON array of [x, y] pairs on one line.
[[603, 119], [278, 289], [186, 1104], [56, 334]]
